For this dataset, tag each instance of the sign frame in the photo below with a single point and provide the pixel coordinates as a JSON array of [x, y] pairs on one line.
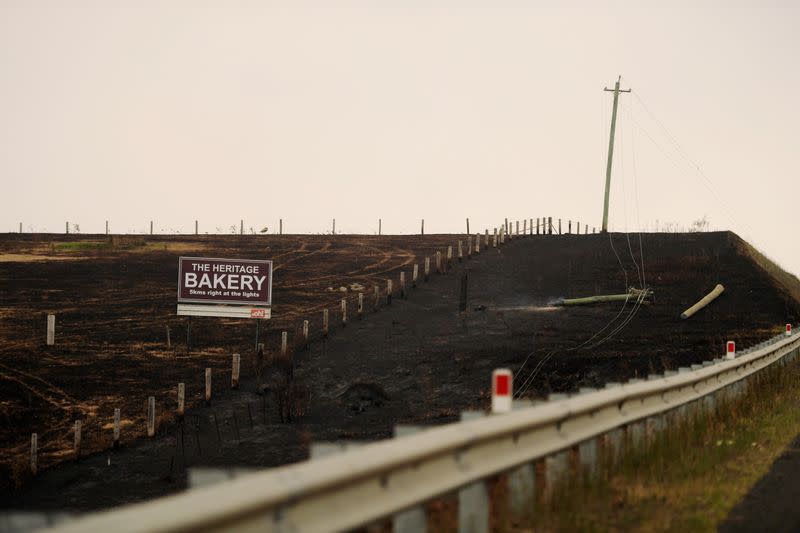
[[225, 307]]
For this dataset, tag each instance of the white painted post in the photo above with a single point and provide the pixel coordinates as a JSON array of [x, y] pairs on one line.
[[427, 268], [76, 444], [388, 292], [235, 362], [34, 453], [414, 275], [450, 255], [51, 329], [343, 306], [473, 500], [324, 322], [208, 386], [181, 400], [151, 416], [438, 262], [414, 519], [731, 350], [115, 443], [501, 390], [360, 308], [461, 250], [403, 285], [305, 332]]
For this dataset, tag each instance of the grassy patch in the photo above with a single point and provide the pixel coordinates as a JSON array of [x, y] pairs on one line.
[[692, 474]]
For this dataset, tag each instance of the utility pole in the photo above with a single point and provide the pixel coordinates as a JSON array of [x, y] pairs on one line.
[[616, 92]]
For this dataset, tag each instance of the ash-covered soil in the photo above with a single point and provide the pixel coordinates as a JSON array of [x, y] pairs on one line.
[[417, 360]]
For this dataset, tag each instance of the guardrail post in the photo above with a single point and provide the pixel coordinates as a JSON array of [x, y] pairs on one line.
[[636, 430], [556, 466], [613, 440], [587, 450], [414, 519], [473, 500], [521, 481]]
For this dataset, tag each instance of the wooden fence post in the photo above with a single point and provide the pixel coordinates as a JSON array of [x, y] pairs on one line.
[[151, 416], [34, 453], [196, 228], [181, 400], [427, 269], [377, 295], [360, 309], [403, 285], [477, 243], [462, 295], [467, 226], [280, 226], [325, 323], [305, 333], [388, 292], [461, 250], [422, 229], [438, 262], [379, 226], [169, 339], [343, 305], [76, 444], [115, 437], [236, 361], [208, 386], [51, 329], [450, 255], [494, 239], [517, 226], [414, 275]]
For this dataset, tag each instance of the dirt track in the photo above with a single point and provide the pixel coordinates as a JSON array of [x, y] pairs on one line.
[[416, 361]]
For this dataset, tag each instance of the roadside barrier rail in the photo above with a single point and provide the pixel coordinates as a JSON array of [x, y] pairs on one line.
[[375, 481]]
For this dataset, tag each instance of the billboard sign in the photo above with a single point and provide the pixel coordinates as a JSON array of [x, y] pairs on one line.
[[225, 282]]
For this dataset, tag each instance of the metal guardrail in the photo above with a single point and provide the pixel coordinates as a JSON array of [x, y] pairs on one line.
[[359, 486]]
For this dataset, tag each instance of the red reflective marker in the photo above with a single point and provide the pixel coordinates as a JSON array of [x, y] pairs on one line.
[[501, 390], [788, 330], [731, 350]]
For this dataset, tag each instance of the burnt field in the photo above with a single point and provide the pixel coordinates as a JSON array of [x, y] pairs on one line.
[[416, 360]]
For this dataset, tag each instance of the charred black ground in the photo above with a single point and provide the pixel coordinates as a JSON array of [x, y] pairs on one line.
[[416, 361]]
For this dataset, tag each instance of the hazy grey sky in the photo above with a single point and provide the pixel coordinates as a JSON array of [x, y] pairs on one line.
[[132, 111]]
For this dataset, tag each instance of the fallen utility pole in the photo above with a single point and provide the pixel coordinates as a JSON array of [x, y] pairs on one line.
[[704, 301], [633, 294]]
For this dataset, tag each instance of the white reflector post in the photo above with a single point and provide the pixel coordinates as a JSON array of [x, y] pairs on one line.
[[731, 350], [501, 390], [788, 330]]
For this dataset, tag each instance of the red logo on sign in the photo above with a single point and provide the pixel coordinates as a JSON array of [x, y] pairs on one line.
[[258, 313], [501, 385]]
